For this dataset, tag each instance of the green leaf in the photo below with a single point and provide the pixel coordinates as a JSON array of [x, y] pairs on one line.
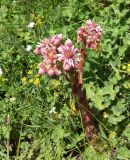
[[102, 132], [67, 12], [3, 12], [115, 120], [89, 89], [57, 134], [126, 132], [123, 153], [119, 108]]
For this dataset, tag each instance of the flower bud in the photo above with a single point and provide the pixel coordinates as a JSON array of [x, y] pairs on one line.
[[60, 37], [89, 22], [51, 72], [87, 118], [56, 42], [79, 39], [68, 43], [37, 50], [57, 72], [41, 71], [79, 32]]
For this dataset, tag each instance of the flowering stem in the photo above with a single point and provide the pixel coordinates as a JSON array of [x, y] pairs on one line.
[[81, 64], [59, 58], [81, 104]]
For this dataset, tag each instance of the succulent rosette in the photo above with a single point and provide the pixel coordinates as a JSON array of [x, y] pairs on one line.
[[90, 34]]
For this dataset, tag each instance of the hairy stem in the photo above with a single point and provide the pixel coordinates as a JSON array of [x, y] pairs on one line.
[[81, 104]]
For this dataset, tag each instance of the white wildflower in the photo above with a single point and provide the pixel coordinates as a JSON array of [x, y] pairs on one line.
[[31, 24], [13, 99], [1, 72], [53, 110], [28, 48]]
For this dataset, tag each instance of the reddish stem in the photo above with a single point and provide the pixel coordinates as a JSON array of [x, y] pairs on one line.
[[81, 104], [81, 64]]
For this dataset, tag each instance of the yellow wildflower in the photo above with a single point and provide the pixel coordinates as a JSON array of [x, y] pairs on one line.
[[30, 80], [38, 22], [37, 75], [30, 72], [38, 19], [36, 81], [55, 83], [112, 134], [128, 69], [127, 85], [24, 80], [128, 64], [73, 109], [124, 67]]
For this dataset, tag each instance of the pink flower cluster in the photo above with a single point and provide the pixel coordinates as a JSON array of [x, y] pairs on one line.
[[47, 48], [59, 57], [56, 55], [89, 34]]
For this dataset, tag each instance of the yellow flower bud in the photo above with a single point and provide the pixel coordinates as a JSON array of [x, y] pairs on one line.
[[36, 81], [124, 67], [30, 72], [128, 69], [30, 80], [24, 80]]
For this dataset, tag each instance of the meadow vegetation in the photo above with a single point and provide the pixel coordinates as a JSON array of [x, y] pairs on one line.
[[38, 118]]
